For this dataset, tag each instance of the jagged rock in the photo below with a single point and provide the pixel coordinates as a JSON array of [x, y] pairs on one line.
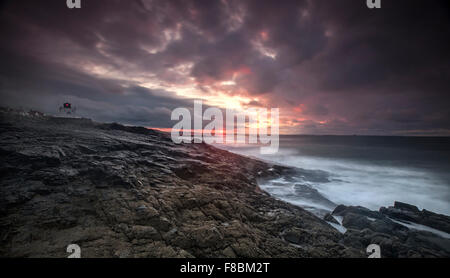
[[366, 227], [406, 212], [405, 207], [355, 221], [131, 192], [328, 217], [143, 232], [342, 210], [387, 226]]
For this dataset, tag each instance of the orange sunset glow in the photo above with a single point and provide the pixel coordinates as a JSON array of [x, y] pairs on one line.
[[307, 58]]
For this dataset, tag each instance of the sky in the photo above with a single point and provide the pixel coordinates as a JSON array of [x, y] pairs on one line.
[[331, 67]]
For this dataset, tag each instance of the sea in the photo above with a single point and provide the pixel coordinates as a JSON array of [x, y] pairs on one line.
[[368, 171]]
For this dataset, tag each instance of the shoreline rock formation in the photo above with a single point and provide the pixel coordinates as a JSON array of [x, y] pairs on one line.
[[120, 191], [395, 230]]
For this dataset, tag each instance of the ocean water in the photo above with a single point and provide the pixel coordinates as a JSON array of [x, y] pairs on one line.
[[369, 171]]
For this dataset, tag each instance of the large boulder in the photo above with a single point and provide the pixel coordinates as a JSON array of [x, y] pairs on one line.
[[409, 213], [342, 210]]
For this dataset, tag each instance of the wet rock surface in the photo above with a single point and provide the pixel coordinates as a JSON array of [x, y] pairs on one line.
[[395, 230], [406, 212], [120, 191]]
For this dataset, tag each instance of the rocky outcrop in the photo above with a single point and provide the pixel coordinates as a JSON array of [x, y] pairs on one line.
[[406, 212], [120, 191], [393, 229]]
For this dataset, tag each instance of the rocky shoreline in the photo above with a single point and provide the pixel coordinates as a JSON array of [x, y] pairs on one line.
[[120, 191], [395, 230]]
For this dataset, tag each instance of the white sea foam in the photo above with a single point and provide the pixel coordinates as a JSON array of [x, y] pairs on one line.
[[359, 182], [419, 227], [338, 227]]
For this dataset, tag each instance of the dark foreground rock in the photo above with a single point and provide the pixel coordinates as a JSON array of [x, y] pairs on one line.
[[387, 229], [120, 191], [406, 212]]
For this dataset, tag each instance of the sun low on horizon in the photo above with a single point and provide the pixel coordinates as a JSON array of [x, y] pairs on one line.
[[135, 62]]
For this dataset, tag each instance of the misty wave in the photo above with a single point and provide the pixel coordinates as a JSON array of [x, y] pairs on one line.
[[356, 181]]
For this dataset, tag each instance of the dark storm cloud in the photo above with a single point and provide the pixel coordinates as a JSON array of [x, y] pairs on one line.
[[48, 85], [406, 39], [351, 69]]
